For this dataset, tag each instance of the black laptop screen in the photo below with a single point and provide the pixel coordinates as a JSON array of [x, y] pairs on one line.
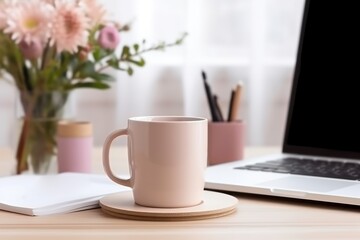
[[324, 112]]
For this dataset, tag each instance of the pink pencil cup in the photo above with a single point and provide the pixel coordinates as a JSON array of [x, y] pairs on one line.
[[225, 142], [75, 144]]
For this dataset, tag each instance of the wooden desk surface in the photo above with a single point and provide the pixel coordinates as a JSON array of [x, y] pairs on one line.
[[257, 217]]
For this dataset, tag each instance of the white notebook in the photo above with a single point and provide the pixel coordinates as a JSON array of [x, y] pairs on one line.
[[51, 194]]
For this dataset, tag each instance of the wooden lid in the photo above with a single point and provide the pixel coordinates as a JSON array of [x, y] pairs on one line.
[[74, 129]]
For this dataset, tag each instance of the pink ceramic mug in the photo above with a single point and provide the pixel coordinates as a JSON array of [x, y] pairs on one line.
[[167, 159]]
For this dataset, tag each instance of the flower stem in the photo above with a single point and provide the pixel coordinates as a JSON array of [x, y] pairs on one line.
[[22, 164], [21, 155]]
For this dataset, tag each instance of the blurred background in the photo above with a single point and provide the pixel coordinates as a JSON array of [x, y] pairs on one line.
[[252, 41]]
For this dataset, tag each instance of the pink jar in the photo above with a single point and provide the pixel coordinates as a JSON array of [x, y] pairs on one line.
[[74, 144]]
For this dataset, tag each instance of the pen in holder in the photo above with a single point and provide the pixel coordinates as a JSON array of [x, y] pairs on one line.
[[225, 136], [225, 142]]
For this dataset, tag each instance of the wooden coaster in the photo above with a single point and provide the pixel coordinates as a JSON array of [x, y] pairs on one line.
[[122, 205]]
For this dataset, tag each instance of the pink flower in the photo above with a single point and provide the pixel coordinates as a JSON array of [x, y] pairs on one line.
[[52, 2], [2, 16], [95, 11], [109, 37], [32, 50], [84, 52], [28, 21], [70, 27]]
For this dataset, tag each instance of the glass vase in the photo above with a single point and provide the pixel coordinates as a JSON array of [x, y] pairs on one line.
[[39, 113]]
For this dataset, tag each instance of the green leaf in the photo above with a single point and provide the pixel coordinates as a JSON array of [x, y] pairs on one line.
[[136, 47], [125, 54], [181, 39], [130, 71], [99, 54], [113, 62], [97, 85], [139, 63], [85, 69], [101, 77]]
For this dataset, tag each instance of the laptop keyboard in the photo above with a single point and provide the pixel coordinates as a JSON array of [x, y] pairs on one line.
[[309, 167]]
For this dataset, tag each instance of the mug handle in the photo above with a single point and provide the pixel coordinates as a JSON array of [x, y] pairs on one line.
[[106, 160]]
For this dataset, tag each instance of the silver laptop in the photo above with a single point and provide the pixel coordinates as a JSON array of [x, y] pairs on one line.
[[321, 149]]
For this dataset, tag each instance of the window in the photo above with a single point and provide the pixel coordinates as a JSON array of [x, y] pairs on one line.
[[253, 41]]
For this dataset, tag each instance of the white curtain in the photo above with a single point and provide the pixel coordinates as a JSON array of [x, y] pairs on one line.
[[253, 41]]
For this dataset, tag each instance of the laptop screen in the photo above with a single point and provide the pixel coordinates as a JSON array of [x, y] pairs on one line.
[[324, 107]]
